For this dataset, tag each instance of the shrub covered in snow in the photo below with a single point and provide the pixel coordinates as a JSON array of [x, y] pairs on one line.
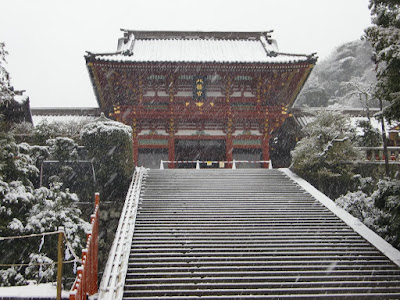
[[377, 205], [109, 145], [10, 277], [362, 206], [25, 210], [63, 149], [45, 131], [387, 198], [370, 136], [14, 164], [323, 156]]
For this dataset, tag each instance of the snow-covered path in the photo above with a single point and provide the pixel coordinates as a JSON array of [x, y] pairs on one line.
[[45, 290]]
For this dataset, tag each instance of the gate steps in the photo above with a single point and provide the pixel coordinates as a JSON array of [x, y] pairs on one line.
[[247, 234]]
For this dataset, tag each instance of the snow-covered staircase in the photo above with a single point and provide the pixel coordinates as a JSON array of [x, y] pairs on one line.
[[247, 234]]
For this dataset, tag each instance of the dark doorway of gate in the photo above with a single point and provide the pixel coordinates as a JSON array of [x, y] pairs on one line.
[[247, 155], [202, 150], [150, 158]]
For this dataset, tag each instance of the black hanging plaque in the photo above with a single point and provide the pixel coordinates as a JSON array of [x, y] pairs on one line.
[[199, 88]]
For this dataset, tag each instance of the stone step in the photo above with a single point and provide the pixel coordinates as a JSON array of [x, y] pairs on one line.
[[232, 291], [247, 234]]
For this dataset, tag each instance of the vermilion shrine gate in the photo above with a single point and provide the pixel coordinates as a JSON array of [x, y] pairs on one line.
[[198, 95]]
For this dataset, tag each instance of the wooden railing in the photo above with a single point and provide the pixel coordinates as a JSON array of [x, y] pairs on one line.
[[86, 280], [376, 155]]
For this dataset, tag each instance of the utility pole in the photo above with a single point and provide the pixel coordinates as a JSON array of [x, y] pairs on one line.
[[60, 261]]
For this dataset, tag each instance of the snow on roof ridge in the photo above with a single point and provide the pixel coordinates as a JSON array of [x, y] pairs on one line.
[[195, 46], [182, 33]]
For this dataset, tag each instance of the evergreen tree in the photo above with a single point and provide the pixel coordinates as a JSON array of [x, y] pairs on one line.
[[385, 38], [324, 157], [370, 137], [25, 209], [109, 146], [6, 92]]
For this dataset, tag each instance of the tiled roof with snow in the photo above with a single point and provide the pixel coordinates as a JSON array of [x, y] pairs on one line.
[[66, 119], [64, 115], [237, 47]]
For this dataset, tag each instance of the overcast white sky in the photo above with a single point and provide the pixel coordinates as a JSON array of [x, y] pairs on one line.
[[47, 39]]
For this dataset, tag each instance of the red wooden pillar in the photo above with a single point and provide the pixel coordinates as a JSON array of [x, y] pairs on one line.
[[171, 150], [171, 138], [265, 141], [229, 150], [229, 143], [265, 148], [135, 149]]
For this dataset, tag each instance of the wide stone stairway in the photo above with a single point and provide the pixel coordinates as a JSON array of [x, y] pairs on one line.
[[247, 234]]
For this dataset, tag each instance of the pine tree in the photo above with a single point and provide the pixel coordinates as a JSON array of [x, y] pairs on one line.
[[385, 38], [6, 92], [25, 209], [323, 157]]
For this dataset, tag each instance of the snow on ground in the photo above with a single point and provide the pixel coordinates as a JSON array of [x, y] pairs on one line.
[[44, 290]]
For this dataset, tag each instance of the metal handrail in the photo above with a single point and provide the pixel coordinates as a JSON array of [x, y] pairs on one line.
[[198, 162], [113, 280]]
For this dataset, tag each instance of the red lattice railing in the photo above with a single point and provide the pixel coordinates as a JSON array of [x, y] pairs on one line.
[[86, 280]]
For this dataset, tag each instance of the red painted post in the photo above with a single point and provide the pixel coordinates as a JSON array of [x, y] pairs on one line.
[[89, 262], [86, 280], [95, 241], [96, 199], [265, 149], [84, 272], [171, 150], [72, 295], [79, 283], [229, 151]]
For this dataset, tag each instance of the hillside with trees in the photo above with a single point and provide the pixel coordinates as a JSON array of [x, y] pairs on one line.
[[344, 79]]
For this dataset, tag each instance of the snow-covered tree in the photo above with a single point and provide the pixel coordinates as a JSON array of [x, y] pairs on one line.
[[339, 79], [14, 164], [63, 149], [25, 210], [362, 206], [377, 205], [385, 38], [324, 156], [45, 131], [6, 92], [109, 145], [387, 198], [370, 137]]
